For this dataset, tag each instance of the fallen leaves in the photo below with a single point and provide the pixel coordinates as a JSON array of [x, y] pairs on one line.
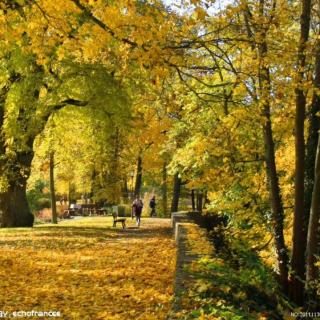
[[87, 270]]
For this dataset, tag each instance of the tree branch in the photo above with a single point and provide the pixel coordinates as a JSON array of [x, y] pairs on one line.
[[101, 24]]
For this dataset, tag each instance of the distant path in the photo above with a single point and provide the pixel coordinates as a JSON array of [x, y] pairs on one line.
[[87, 270]]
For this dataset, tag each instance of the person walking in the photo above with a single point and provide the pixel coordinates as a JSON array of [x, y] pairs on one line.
[[137, 207], [152, 205]]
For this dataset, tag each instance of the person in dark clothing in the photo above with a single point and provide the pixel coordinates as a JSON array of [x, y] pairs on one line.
[[152, 205], [137, 207]]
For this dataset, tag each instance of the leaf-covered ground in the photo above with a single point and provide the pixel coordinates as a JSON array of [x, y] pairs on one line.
[[87, 270]]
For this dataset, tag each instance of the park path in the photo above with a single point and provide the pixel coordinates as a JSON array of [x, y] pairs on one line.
[[88, 270]]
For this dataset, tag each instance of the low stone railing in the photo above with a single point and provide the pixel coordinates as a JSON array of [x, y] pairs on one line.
[[192, 245]]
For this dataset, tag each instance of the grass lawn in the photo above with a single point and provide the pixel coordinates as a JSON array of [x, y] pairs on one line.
[[88, 270]]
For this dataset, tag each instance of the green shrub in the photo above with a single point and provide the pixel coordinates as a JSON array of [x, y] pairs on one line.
[[37, 199], [43, 203]]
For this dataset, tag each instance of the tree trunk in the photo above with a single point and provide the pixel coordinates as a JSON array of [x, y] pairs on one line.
[[14, 207], [193, 204], [312, 142], [276, 201], [263, 98], [164, 190], [125, 191], [69, 193], [312, 240], [299, 234], [176, 193], [115, 179], [94, 185], [52, 189], [312, 203], [199, 200], [277, 216], [137, 188], [205, 200]]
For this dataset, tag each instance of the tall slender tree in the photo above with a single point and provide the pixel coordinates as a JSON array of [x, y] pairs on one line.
[[299, 225]]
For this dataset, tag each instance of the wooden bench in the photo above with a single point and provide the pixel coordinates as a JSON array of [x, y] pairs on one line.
[[101, 212], [68, 213], [118, 219]]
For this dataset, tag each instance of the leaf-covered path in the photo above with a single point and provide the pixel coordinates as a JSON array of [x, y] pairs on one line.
[[87, 270]]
